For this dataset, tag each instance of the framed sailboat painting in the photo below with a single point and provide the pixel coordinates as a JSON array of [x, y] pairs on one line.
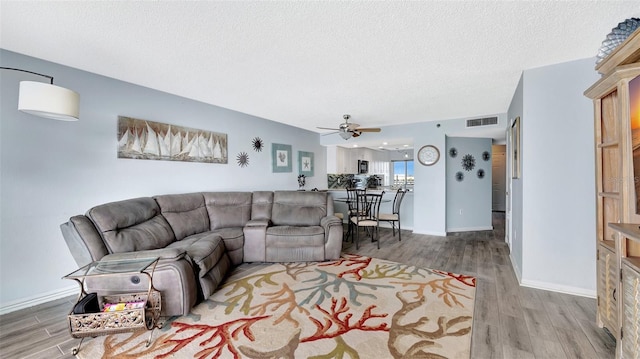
[[148, 140]]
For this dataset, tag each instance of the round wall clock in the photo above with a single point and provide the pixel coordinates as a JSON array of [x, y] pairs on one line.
[[428, 155]]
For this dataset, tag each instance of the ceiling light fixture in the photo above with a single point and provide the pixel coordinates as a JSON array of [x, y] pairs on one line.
[[345, 135], [47, 100]]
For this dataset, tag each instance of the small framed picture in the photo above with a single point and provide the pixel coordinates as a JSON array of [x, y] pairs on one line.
[[305, 163], [281, 158]]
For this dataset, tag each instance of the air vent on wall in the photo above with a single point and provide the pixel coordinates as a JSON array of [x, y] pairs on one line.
[[487, 121]]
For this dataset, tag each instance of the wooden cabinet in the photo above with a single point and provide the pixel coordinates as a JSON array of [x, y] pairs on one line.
[[628, 249], [630, 344], [608, 272], [617, 219]]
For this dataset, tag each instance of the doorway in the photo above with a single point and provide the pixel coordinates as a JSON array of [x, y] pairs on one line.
[[499, 178]]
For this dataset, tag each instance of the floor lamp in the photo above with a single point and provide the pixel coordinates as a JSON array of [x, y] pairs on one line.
[[47, 100]]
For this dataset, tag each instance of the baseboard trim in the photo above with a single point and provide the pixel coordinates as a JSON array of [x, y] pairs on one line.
[[38, 299], [550, 286], [439, 234], [559, 288], [470, 229], [516, 269]]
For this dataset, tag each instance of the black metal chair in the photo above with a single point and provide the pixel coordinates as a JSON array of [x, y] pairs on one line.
[[395, 216], [352, 195], [367, 213]]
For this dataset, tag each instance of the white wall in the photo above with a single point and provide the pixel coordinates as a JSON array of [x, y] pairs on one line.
[[558, 193], [51, 170]]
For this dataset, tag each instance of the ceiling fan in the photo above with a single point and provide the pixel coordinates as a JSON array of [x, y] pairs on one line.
[[348, 130]]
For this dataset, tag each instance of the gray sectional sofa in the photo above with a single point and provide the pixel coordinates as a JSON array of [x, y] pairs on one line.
[[199, 237]]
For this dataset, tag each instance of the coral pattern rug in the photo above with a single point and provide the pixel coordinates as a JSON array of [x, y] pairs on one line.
[[355, 307]]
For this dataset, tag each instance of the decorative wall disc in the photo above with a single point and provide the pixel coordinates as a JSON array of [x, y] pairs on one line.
[[257, 144], [486, 155], [616, 37], [243, 159], [468, 162], [459, 176], [453, 152], [480, 173]]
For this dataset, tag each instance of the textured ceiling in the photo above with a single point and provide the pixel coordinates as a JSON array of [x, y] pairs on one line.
[[308, 63]]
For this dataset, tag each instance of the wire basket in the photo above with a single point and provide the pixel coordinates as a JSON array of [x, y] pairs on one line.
[[126, 320]]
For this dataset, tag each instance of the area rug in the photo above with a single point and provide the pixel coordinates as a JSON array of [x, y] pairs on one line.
[[355, 307]]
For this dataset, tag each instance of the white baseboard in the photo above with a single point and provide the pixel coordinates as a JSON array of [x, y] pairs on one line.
[[439, 234], [38, 299], [516, 270], [559, 288], [550, 286], [470, 229]]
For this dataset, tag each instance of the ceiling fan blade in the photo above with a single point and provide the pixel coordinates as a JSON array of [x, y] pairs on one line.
[[351, 126], [329, 133], [367, 129], [326, 128]]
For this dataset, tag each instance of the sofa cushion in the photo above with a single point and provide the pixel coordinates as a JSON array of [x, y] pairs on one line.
[[131, 225], [293, 236], [262, 204], [204, 249], [233, 237], [228, 209], [296, 208], [185, 213]]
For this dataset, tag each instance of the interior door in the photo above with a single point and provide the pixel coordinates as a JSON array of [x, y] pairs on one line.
[[498, 178]]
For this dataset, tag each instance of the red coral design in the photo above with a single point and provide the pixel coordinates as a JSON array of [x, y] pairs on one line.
[[464, 279], [361, 262], [223, 332], [332, 316]]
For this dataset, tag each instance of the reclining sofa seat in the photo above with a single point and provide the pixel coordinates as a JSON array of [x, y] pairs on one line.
[[133, 228], [287, 227], [200, 236]]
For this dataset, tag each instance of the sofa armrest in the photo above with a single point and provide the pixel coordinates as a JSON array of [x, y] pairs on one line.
[[258, 223], [332, 237], [164, 254], [255, 240], [328, 221]]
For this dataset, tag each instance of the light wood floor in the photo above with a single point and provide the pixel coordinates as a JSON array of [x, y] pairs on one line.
[[509, 322]]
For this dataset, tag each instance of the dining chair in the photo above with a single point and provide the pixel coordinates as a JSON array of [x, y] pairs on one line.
[[367, 213], [395, 216], [352, 195]]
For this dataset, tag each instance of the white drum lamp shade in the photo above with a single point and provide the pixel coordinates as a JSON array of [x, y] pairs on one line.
[[50, 101]]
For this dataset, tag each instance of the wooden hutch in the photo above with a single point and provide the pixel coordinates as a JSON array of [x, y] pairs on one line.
[[617, 209]]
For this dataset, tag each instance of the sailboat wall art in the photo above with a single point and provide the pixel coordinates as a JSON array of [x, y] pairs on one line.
[[148, 140]]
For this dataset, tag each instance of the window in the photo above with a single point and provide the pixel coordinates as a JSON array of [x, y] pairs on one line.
[[402, 174]]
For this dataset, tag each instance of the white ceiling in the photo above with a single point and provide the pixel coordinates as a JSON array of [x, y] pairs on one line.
[[308, 63]]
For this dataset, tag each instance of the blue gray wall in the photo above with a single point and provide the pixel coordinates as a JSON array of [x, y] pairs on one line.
[[468, 200], [51, 170], [514, 216], [556, 193]]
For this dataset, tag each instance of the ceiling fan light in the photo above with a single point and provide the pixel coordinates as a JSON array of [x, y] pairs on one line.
[[345, 135]]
